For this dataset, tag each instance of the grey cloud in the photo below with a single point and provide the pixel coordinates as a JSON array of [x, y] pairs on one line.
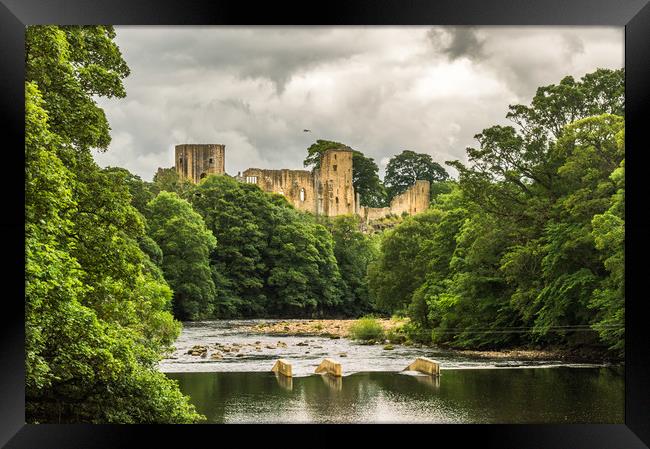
[[377, 89], [456, 42], [266, 52]]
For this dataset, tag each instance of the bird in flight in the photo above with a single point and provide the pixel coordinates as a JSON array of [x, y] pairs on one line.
[[306, 130]]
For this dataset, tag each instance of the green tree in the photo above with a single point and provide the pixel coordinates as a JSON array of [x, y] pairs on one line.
[[528, 246], [354, 252], [609, 237], [407, 167], [140, 191], [403, 262], [186, 245], [97, 316], [168, 179], [271, 259]]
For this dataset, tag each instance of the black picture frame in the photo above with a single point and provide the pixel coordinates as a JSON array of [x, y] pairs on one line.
[[633, 14]]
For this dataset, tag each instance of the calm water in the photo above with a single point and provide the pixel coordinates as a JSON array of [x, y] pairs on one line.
[[531, 395], [239, 388]]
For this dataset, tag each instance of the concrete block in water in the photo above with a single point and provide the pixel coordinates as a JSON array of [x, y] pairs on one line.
[[282, 367], [329, 366], [424, 365]]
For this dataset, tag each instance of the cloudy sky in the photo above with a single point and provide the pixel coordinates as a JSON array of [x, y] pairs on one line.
[[380, 90]]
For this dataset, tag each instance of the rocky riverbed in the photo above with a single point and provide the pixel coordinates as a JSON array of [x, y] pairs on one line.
[[254, 345], [325, 328]]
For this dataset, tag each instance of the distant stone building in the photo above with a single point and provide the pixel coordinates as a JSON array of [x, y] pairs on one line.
[[196, 161], [327, 190]]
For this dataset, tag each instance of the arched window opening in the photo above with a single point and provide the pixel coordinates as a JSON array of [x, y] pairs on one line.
[[302, 194]]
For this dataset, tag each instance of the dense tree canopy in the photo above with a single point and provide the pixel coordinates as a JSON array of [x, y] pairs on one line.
[[528, 246], [186, 245], [407, 167], [168, 179], [354, 252], [97, 312], [271, 259]]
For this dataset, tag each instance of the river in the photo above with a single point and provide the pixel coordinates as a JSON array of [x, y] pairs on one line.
[[240, 387]]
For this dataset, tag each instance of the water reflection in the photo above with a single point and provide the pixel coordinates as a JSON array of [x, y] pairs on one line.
[[284, 381], [430, 381], [554, 395], [333, 382]]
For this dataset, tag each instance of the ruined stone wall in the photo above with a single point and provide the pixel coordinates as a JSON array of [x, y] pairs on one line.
[[196, 161], [334, 184], [325, 191], [296, 185], [373, 213], [414, 200]]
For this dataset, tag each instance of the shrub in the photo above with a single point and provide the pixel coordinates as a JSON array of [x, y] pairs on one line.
[[396, 335], [366, 328], [417, 333]]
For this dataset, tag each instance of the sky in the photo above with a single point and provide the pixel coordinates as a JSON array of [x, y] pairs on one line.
[[379, 90]]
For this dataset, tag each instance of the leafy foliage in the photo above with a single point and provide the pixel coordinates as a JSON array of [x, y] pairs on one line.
[[354, 252], [96, 310], [186, 245], [528, 246], [271, 259], [366, 328], [407, 167]]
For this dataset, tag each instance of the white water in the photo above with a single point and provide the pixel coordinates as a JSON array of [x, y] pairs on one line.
[[304, 359]]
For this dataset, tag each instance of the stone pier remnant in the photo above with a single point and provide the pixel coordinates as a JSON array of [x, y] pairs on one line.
[[282, 367], [424, 365], [329, 366]]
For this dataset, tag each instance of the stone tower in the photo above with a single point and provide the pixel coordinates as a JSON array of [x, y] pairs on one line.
[[334, 183], [196, 161]]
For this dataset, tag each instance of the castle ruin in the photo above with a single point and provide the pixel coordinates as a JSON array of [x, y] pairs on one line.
[[326, 190], [196, 161]]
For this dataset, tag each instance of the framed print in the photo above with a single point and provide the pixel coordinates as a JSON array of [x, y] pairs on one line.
[[341, 214]]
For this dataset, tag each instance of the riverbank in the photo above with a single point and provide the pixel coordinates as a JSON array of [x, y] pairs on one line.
[[340, 328]]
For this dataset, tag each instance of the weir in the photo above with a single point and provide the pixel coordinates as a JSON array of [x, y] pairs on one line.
[[282, 367], [424, 365], [329, 366]]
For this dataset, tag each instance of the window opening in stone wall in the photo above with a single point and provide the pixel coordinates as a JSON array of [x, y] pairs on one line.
[[337, 200], [302, 194], [334, 167], [211, 161], [251, 179]]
